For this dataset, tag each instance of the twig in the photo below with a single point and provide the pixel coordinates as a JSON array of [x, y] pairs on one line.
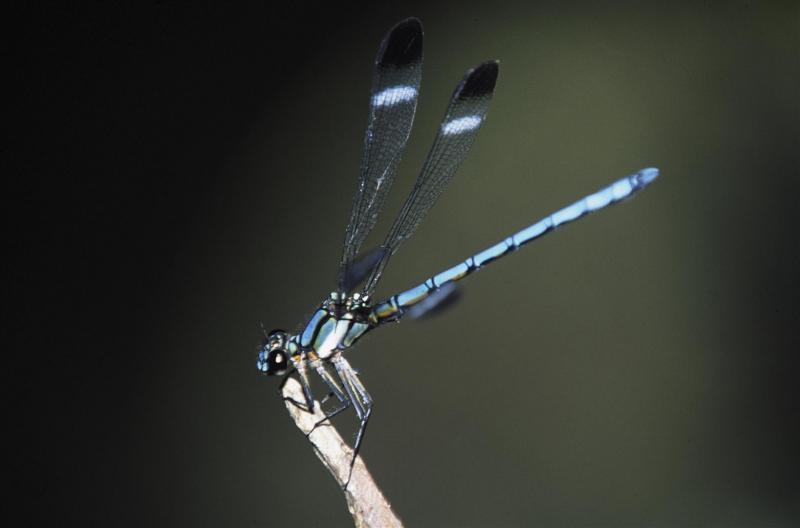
[[366, 503]]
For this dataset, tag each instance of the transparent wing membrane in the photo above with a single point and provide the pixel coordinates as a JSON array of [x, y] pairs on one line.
[[393, 101], [464, 116], [358, 270]]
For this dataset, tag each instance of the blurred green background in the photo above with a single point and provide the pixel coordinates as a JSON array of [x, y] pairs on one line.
[[188, 174]]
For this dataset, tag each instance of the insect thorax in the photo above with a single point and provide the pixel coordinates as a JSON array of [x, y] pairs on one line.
[[336, 325]]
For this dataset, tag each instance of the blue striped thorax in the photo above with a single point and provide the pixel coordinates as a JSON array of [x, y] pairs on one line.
[[335, 325]]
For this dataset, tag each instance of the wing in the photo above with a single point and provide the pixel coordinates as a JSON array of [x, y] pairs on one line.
[[464, 116], [395, 87]]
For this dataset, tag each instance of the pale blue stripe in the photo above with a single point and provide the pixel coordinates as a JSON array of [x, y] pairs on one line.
[[355, 332], [414, 295], [490, 253], [531, 232], [311, 327], [454, 273], [324, 332], [621, 189], [568, 213], [598, 200]]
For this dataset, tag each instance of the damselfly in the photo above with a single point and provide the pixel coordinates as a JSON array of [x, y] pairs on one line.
[[349, 312]]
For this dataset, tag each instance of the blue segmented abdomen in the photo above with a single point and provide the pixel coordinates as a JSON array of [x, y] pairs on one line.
[[393, 308]]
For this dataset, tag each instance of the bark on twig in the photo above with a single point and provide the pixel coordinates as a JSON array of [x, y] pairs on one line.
[[366, 503]]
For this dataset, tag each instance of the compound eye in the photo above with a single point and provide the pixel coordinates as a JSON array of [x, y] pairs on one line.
[[272, 356], [278, 361], [272, 361]]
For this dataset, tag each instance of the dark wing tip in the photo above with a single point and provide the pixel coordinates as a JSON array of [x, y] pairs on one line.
[[403, 44], [480, 81]]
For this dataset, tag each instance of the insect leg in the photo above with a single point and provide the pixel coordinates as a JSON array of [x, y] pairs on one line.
[[361, 400], [302, 375], [335, 389], [319, 366]]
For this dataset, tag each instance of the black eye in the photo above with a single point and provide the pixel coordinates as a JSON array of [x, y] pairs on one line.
[[272, 362], [277, 360]]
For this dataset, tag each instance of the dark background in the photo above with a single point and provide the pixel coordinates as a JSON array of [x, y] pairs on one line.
[[175, 176]]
